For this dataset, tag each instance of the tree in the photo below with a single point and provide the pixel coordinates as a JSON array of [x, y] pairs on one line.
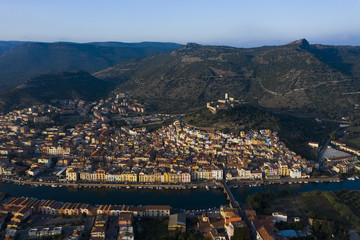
[[241, 233], [333, 134]]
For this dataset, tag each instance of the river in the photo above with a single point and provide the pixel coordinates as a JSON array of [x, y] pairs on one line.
[[184, 199]]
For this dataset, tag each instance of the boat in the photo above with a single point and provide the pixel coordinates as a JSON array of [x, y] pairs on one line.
[[351, 178], [207, 188]]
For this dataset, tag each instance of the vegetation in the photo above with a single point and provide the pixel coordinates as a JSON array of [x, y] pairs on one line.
[[326, 230], [340, 207], [352, 136], [260, 202], [28, 60], [117, 124], [297, 77], [157, 228], [242, 117], [351, 199], [331, 212], [355, 123], [241, 233], [319, 173], [295, 226], [66, 85]]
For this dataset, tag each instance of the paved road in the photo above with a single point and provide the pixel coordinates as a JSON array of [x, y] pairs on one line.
[[322, 150], [353, 234], [113, 228]]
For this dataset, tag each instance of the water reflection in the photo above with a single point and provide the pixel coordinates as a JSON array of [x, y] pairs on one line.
[[178, 198]]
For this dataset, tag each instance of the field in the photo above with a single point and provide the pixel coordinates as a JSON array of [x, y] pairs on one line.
[[352, 138], [342, 207], [300, 206], [352, 200]]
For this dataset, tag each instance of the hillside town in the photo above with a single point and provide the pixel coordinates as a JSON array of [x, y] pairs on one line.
[[114, 142], [34, 146]]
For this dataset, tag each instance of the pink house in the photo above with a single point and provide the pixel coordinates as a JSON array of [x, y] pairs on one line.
[[185, 177]]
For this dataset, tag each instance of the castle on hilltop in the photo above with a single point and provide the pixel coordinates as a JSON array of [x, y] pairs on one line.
[[226, 103]]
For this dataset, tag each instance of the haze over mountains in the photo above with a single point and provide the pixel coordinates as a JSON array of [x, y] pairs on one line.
[[20, 61], [297, 75], [64, 85]]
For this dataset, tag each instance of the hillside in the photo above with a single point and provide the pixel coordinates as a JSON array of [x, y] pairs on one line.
[[64, 85], [296, 132], [19, 62], [7, 45], [300, 76]]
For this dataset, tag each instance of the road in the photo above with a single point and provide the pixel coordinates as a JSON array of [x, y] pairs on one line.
[[322, 150]]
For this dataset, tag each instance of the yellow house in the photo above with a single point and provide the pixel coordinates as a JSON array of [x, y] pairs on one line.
[[71, 175], [174, 178], [129, 177], [147, 177], [284, 170], [100, 175], [166, 177]]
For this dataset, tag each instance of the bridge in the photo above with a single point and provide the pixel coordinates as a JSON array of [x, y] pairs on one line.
[[229, 196]]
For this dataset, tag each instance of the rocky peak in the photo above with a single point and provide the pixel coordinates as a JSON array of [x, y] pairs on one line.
[[302, 43]]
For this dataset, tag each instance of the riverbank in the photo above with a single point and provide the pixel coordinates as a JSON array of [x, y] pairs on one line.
[[207, 184], [190, 198], [284, 181]]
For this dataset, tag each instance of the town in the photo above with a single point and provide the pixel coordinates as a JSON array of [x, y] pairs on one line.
[[29, 218], [115, 143], [99, 151]]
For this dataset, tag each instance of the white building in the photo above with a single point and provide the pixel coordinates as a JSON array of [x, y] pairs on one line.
[[217, 174], [279, 216], [45, 160], [244, 173], [256, 174], [295, 173]]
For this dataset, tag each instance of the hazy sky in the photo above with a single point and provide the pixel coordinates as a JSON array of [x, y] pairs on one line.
[[227, 22]]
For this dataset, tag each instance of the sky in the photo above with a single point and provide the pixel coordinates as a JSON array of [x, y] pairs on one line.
[[240, 23]]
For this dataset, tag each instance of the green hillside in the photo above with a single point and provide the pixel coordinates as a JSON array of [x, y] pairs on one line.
[[64, 85], [299, 76]]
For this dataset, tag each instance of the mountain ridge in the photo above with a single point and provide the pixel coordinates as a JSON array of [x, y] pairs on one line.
[[297, 75], [32, 59], [62, 85]]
